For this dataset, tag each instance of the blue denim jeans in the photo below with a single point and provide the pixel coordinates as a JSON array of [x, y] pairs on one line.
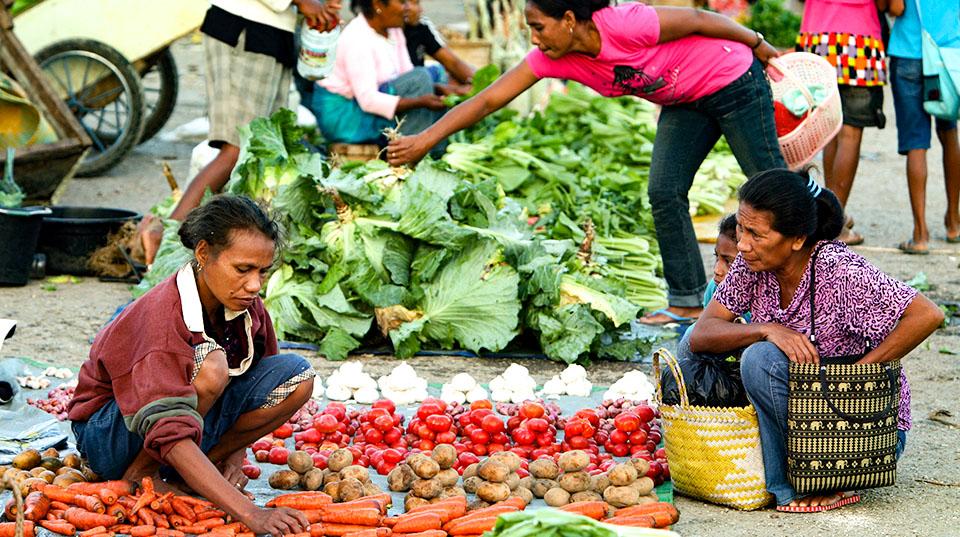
[[743, 113], [765, 370], [913, 122]]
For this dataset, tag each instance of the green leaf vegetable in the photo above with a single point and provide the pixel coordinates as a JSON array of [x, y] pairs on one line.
[[556, 523]]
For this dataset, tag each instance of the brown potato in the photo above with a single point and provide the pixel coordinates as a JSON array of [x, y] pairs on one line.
[[73, 460], [508, 458], [574, 461], [369, 489], [339, 460], [424, 467], [51, 463], [401, 478], [445, 455], [33, 483], [471, 470], [359, 473], [37, 471], [47, 476], [284, 480], [412, 502], [642, 466], [51, 452], [450, 492], [27, 460], [68, 470], [471, 484], [513, 481], [477, 504], [333, 490], [312, 479], [65, 480], [523, 494], [544, 469], [330, 477], [541, 486], [599, 483], [493, 471], [556, 497], [644, 486], [575, 482], [427, 489], [493, 492], [448, 477], [622, 475], [300, 462], [585, 496], [527, 482], [350, 489], [649, 498], [89, 475], [621, 496]]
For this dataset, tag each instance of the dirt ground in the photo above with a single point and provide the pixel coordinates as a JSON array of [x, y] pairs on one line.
[[56, 325]]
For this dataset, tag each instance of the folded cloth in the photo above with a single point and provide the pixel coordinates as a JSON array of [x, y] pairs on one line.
[[796, 102]]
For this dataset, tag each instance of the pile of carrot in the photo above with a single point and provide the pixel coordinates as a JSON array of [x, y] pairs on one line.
[[650, 515]]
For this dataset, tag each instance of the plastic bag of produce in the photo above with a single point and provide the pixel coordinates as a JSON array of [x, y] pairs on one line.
[[712, 380]]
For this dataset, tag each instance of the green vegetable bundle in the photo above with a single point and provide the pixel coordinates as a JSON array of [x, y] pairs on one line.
[[556, 523]]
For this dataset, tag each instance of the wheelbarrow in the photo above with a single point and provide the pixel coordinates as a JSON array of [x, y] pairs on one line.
[[110, 61]]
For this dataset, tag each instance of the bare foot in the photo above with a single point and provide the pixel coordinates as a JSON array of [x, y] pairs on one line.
[[672, 314], [817, 503], [850, 237], [953, 228]]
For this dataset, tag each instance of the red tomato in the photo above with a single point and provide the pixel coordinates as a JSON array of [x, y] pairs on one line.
[[385, 404], [319, 460], [577, 442], [337, 410], [479, 436], [538, 425], [619, 450], [477, 416], [426, 444], [467, 458], [261, 444], [284, 431], [654, 470], [660, 454], [325, 423], [383, 423], [425, 432], [638, 438], [619, 437], [251, 471], [522, 452], [531, 409], [446, 437], [492, 424], [483, 403], [645, 413], [513, 422], [574, 427], [262, 455], [545, 439], [373, 436], [626, 422], [393, 436], [428, 409], [500, 438], [278, 455], [590, 415], [479, 449], [439, 423], [493, 448], [524, 436]]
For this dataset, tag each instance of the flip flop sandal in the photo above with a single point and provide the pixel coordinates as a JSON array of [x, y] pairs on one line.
[[848, 222], [953, 240], [848, 500], [673, 316], [909, 247], [854, 238]]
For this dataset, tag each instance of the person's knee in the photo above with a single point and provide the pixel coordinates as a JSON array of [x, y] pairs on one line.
[[663, 193], [756, 361], [213, 376], [420, 81]]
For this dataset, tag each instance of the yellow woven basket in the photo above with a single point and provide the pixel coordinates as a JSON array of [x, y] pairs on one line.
[[714, 453]]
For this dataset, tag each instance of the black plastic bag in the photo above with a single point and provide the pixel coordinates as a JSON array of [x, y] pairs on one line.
[[710, 381]]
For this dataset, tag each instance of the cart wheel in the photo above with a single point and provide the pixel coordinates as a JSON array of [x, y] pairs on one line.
[[103, 91], [160, 86]]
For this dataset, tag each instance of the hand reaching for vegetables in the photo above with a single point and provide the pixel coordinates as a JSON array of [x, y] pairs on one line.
[[277, 522], [231, 468], [406, 150], [795, 345]]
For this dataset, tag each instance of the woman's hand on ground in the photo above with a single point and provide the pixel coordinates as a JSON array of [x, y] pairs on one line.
[[795, 345], [276, 522], [432, 102], [231, 468], [765, 52], [406, 150]]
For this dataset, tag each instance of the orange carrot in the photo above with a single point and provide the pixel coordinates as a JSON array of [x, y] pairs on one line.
[[183, 509], [144, 500], [176, 521], [60, 506], [474, 525], [90, 503], [428, 533], [93, 531], [85, 520], [221, 531], [9, 529], [118, 511], [493, 510], [164, 532], [157, 504], [650, 509], [107, 534], [194, 530], [245, 534], [211, 513], [57, 494], [301, 500], [55, 514], [107, 496], [236, 526], [371, 532], [593, 509], [455, 501], [210, 523], [385, 499], [143, 531], [637, 521], [339, 530], [313, 515], [417, 522], [35, 506], [366, 516], [301, 534], [159, 520], [59, 526], [120, 528], [190, 500]]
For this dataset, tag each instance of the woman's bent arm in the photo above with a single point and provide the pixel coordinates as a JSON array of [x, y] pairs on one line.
[[919, 320]]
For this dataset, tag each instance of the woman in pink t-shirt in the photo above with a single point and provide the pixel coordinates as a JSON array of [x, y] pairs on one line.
[[706, 71]]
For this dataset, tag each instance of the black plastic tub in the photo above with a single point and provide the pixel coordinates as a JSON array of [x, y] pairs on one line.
[[69, 236], [19, 229]]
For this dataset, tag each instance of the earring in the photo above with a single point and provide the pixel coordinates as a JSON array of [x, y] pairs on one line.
[[379, 11], [571, 29]]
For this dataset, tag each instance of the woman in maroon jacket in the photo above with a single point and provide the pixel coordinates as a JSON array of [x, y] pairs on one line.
[[189, 375]]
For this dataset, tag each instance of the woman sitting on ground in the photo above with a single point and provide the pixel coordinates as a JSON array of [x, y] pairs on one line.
[[783, 218], [373, 84], [189, 374], [453, 74]]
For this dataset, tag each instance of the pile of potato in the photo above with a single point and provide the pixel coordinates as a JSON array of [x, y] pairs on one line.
[[427, 479], [342, 480], [32, 466], [495, 479], [565, 481]]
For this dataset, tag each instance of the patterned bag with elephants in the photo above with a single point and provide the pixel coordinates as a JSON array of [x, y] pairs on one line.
[[841, 421]]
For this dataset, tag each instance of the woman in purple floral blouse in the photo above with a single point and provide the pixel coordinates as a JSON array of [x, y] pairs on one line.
[[782, 218]]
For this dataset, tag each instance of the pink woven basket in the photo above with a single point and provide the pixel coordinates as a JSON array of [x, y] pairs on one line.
[[798, 70]]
